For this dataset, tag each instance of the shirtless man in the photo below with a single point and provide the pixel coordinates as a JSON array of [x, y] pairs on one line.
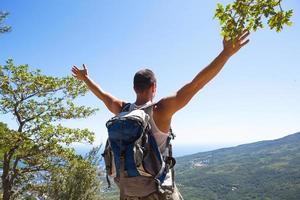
[[165, 108]]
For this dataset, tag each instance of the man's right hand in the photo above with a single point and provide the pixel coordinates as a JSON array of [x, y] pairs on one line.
[[80, 74]]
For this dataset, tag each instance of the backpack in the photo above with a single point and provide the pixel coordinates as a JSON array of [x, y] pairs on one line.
[[132, 155]]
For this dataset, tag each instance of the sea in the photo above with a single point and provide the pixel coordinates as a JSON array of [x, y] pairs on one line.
[[178, 150]]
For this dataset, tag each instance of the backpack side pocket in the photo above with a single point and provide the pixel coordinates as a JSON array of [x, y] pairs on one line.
[[109, 160]]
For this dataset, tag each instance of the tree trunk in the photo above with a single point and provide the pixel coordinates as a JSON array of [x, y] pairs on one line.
[[6, 184], [6, 193]]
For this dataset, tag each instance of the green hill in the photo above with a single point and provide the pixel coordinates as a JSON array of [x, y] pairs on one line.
[[262, 170]]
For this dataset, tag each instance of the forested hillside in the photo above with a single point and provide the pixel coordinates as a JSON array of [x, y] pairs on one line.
[[261, 170]]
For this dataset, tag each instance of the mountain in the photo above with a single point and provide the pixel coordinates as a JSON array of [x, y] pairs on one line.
[[266, 170]]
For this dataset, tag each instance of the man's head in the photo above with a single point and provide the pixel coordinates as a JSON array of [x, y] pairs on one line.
[[144, 82]]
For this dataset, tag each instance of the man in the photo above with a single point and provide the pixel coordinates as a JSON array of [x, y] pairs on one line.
[[164, 109]]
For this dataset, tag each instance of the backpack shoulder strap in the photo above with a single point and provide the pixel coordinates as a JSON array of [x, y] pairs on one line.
[[126, 107], [148, 108], [169, 150], [171, 134], [149, 105]]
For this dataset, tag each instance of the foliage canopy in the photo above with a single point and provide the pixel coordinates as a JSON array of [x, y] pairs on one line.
[[40, 144], [251, 14]]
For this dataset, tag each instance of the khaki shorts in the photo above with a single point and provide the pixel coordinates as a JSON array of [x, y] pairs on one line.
[[175, 195]]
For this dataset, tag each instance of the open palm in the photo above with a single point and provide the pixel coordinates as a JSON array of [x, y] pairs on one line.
[[80, 74]]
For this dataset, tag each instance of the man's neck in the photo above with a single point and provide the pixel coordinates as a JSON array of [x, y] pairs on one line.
[[142, 101]]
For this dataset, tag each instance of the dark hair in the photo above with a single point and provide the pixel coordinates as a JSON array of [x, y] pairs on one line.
[[143, 80]]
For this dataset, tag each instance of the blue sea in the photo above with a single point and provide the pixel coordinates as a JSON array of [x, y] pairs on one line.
[[178, 150]]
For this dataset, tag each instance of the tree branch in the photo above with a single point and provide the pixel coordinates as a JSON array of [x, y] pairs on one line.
[[50, 91], [38, 115], [15, 172], [34, 169]]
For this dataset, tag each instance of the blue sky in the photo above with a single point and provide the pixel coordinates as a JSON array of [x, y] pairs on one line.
[[255, 97]]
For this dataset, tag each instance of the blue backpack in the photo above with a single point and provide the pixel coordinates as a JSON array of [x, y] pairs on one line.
[[132, 155]]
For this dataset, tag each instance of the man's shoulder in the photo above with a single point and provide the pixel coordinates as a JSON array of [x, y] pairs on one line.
[[160, 105], [160, 110]]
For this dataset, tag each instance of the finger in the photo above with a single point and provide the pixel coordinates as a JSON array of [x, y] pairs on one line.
[[244, 43], [74, 75], [243, 32], [84, 67], [76, 67], [243, 37], [74, 71]]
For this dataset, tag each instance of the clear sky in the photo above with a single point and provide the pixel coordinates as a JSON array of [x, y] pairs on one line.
[[255, 97]]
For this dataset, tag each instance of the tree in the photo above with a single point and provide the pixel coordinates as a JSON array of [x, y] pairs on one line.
[[41, 143], [80, 180], [249, 14], [4, 28]]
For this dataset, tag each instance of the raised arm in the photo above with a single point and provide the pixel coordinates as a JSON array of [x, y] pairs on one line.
[[112, 103], [170, 105]]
